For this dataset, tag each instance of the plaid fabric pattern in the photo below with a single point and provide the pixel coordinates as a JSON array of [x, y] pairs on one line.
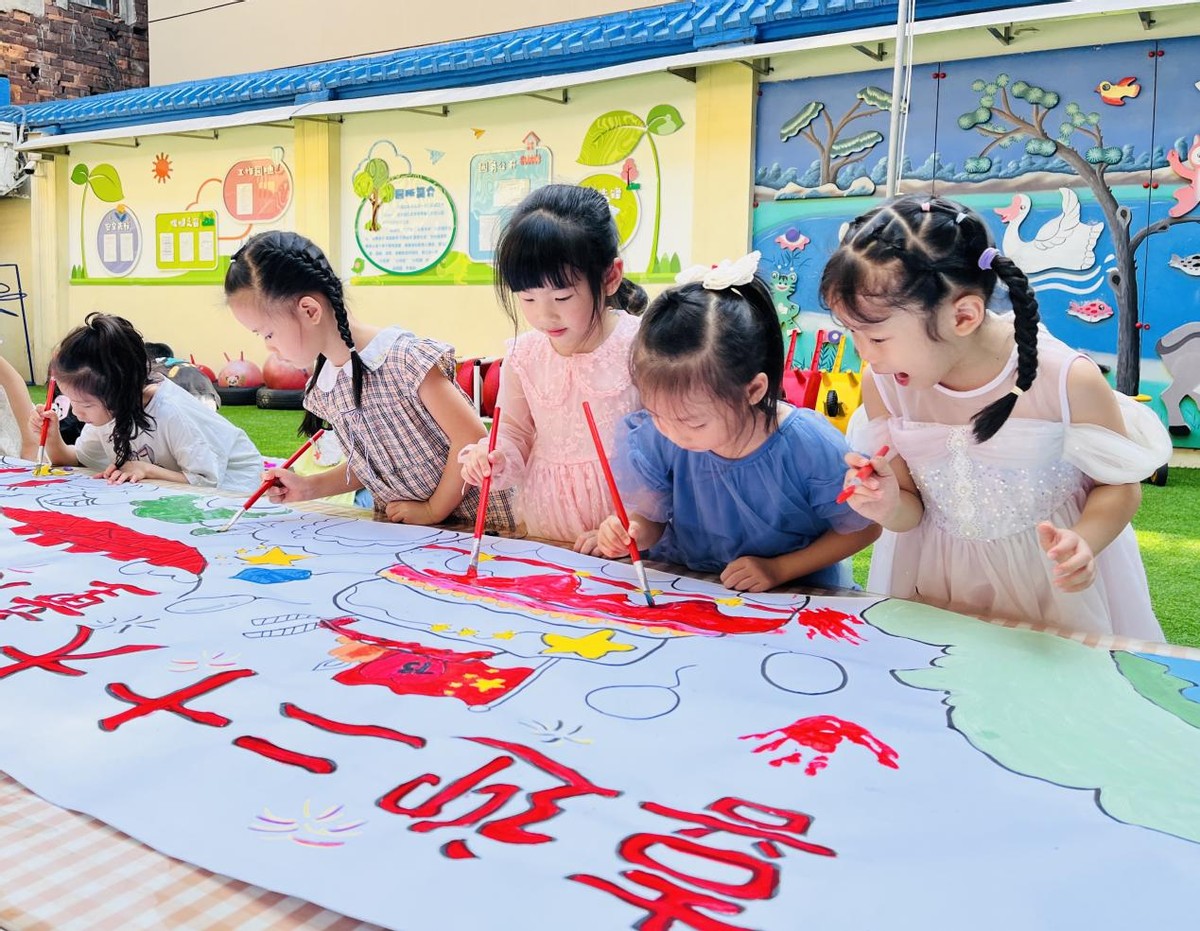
[[393, 444], [63, 871]]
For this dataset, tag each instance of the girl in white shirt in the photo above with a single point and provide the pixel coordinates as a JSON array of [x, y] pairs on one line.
[[135, 427]]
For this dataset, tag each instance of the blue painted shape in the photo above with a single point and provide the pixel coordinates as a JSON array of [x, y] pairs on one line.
[[264, 576], [1186, 669]]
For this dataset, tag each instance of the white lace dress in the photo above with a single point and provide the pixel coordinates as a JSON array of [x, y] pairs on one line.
[[976, 549]]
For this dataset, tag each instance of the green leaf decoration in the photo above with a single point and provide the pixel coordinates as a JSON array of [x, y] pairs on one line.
[[363, 184], [1050, 100], [877, 97], [987, 100], [1020, 89], [978, 85], [1035, 95], [106, 183], [1113, 154], [612, 137], [1002, 80], [978, 166], [1095, 155], [387, 193], [860, 143], [79, 174], [1041, 146], [1073, 108], [798, 123], [664, 120], [1093, 119], [377, 170]]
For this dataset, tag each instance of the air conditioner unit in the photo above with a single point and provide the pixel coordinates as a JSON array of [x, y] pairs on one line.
[[14, 167]]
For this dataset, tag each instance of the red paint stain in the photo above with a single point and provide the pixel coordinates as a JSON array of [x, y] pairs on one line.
[[36, 483], [314, 764], [830, 623], [457, 850], [47, 528], [823, 733], [561, 593]]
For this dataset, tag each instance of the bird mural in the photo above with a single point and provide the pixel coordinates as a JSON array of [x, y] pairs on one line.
[[1062, 242], [1116, 94]]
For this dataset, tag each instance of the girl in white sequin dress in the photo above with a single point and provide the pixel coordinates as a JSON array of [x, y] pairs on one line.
[[1016, 466]]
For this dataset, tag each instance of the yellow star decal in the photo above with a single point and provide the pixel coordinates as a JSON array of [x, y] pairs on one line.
[[272, 557], [486, 685], [504, 634], [591, 646], [468, 632], [439, 627], [731, 602]]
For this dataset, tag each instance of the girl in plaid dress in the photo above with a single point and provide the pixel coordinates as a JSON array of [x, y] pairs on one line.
[[390, 396], [557, 262]]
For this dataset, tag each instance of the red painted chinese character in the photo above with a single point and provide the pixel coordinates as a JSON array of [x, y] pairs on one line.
[[55, 659], [172, 701]]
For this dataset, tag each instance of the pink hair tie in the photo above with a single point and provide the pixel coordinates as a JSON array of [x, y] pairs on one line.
[[986, 257], [925, 205]]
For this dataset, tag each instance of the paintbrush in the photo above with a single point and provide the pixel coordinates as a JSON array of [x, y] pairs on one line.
[[634, 554], [41, 466], [484, 490], [262, 489]]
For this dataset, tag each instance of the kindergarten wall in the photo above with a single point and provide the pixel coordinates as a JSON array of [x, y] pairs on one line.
[[406, 203], [1035, 141]]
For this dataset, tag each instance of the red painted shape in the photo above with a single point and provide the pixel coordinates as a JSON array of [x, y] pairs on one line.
[[172, 701], [560, 593], [762, 883], [788, 830], [416, 669], [830, 623], [48, 528], [36, 483], [54, 660], [543, 803], [457, 850], [11, 471], [314, 764], [823, 733], [672, 903], [288, 710], [68, 603]]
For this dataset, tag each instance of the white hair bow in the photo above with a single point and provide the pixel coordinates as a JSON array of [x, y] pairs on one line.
[[727, 274]]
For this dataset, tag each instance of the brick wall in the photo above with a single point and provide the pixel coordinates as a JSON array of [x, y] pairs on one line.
[[52, 49]]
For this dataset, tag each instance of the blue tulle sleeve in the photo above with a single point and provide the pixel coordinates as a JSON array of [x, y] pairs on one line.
[[641, 468]]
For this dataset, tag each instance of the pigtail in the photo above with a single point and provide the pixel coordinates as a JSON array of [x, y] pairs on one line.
[[1025, 330], [630, 298]]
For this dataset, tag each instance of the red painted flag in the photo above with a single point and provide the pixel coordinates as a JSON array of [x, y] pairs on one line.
[[416, 669]]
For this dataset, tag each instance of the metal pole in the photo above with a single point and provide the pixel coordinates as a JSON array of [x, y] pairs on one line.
[[895, 156]]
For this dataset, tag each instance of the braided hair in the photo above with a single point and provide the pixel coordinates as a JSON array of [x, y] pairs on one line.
[[917, 252], [695, 339], [282, 265], [557, 234], [106, 358]]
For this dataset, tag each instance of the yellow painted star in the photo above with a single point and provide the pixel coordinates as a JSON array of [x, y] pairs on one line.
[[486, 685], [591, 646], [731, 602], [273, 557], [504, 634], [437, 628], [468, 632]]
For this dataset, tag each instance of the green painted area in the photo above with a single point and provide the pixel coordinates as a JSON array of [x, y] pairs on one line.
[[208, 278], [1155, 683], [1056, 710], [180, 509]]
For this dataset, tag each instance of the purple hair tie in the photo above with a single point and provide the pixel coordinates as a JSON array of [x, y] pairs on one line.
[[986, 257]]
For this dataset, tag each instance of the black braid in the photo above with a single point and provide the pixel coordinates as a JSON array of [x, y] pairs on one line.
[[1025, 330], [284, 264]]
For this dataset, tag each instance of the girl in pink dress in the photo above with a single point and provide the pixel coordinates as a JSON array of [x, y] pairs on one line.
[[558, 269], [1017, 466]]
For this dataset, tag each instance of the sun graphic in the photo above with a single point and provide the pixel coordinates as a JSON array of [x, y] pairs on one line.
[[162, 168]]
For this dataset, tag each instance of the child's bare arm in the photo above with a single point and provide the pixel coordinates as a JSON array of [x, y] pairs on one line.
[[17, 393], [890, 495], [462, 426], [760, 573], [57, 452]]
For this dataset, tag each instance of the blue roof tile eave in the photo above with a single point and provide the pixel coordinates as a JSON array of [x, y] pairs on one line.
[[581, 45]]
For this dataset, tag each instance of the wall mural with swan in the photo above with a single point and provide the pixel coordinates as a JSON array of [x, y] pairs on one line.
[[1085, 162]]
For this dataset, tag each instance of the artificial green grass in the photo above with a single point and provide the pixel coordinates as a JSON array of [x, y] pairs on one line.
[[1168, 524]]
